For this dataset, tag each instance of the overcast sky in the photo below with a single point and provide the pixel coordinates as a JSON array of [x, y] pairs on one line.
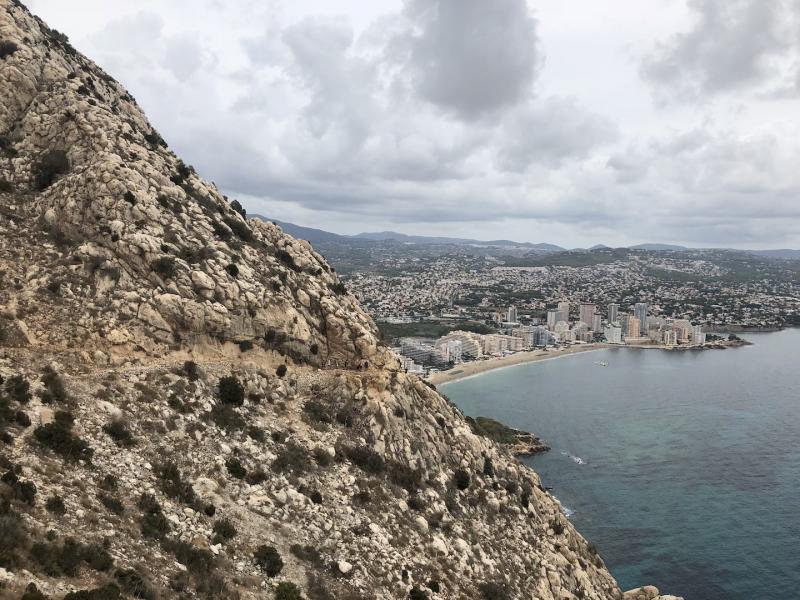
[[563, 121]]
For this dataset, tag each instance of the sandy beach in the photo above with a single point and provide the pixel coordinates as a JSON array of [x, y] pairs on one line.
[[482, 366]]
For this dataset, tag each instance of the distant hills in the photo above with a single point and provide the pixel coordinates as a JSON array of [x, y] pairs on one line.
[[384, 236], [319, 236]]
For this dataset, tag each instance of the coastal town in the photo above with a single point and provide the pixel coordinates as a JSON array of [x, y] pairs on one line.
[[442, 310], [559, 332]]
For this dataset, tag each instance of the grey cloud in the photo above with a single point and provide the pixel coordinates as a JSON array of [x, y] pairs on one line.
[[138, 43], [550, 133], [732, 44], [472, 56], [360, 127]]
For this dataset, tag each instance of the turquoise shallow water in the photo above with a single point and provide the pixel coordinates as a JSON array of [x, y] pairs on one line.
[[682, 468]]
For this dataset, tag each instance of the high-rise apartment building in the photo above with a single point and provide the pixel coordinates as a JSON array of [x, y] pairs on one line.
[[586, 313], [698, 336], [613, 334], [597, 322], [552, 318], [511, 315], [634, 327], [563, 311], [640, 312], [613, 311]]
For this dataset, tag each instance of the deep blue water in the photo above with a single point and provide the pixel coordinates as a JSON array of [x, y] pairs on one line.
[[691, 474]]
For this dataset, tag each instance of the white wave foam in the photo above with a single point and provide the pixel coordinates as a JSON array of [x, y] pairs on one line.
[[568, 512], [576, 459]]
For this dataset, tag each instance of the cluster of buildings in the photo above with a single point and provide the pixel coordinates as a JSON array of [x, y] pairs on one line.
[[714, 288], [616, 327], [613, 327]]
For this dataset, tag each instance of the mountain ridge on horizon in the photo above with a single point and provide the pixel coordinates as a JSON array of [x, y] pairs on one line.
[[314, 235]]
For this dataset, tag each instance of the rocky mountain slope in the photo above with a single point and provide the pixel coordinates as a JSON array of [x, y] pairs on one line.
[[192, 405]]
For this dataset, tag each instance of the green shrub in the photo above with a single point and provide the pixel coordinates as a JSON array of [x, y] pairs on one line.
[[18, 388], [240, 228], [308, 554], [173, 485], [269, 560], [6, 187], [59, 438], [255, 477], [66, 559], [404, 476], [346, 415], [182, 172], [55, 390], [111, 503], [237, 206], [417, 594], [366, 458], [13, 537], [118, 431], [97, 557], [291, 459], [225, 417], [235, 468], [50, 165], [287, 591], [134, 584], [415, 502], [256, 433], [153, 523], [231, 391], [191, 370], [317, 412], [109, 483], [164, 267], [33, 593], [322, 457], [55, 504], [280, 371], [7, 48], [494, 591], [197, 560], [461, 479], [25, 491], [22, 419], [224, 530], [287, 259], [362, 497], [154, 139]]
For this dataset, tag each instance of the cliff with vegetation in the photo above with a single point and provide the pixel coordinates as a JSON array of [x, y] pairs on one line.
[[192, 405]]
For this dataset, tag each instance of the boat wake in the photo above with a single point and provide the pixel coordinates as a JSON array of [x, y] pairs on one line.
[[576, 459]]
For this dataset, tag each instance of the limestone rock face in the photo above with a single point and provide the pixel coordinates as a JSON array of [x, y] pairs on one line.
[[166, 256], [192, 405]]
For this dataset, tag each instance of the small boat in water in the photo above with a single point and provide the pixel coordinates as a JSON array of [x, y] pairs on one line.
[[602, 363]]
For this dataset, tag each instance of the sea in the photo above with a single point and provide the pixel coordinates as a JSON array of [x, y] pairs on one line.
[[682, 468]]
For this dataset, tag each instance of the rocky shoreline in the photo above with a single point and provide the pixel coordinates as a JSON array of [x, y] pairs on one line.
[[516, 441]]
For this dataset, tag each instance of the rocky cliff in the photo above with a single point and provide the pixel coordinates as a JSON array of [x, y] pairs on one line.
[[191, 404]]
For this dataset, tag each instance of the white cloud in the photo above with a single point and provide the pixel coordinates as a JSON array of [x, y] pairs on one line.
[[473, 118]]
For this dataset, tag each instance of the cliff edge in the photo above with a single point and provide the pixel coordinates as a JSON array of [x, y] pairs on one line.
[[192, 405]]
